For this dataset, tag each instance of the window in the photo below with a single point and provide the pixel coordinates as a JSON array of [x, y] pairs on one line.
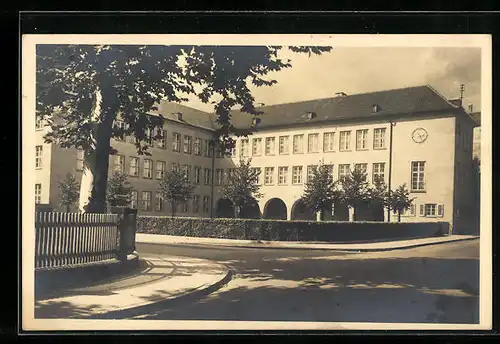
[[361, 168], [162, 141], [206, 176], [244, 147], [148, 135], [229, 174], [120, 128], [411, 211], [256, 147], [328, 142], [187, 144], [206, 204], [270, 145], [330, 170], [344, 170], [361, 137], [257, 171], [175, 167], [39, 123], [197, 146], [219, 152], [297, 175], [38, 193], [147, 171], [133, 199], [176, 142], [146, 200], [417, 175], [430, 209], [345, 141], [298, 144], [80, 158], [310, 172], [208, 148], [186, 170], [38, 156], [159, 202], [119, 163], [313, 143], [268, 175], [379, 138], [284, 144], [378, 171], [134, 167], [219, 176], [282, 174], [197, 173], [161, 166], [185, 206], [196, 203]]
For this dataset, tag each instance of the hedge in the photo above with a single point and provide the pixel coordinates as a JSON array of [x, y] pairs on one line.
[[283, 230]]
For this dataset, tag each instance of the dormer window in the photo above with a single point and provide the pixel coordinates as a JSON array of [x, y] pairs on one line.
[[255, 122], [179, 116], [311, 115], [376, 108]]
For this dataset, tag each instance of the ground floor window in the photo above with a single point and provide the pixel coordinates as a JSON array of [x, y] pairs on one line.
[[432, 210]]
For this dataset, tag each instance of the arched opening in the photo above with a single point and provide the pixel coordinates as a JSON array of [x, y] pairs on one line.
[[377, 212], [301, 212], [250, 210], [224, 209], [340, 212], [275, 209]]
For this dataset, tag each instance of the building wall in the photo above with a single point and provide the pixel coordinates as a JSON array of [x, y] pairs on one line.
[[43, 174]]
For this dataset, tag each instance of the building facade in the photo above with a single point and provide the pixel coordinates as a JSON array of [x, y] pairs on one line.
[[411, 136]]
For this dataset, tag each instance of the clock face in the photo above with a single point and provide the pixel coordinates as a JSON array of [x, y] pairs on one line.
[[419, 135]]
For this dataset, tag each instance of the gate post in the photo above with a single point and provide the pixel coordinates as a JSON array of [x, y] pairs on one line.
[[127, 226]]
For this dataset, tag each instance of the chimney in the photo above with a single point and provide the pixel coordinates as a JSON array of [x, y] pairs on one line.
[[311, 115], [340, 94], [456, 102], [471, 108]]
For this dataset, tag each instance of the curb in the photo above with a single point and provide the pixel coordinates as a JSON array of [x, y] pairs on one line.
[[268, 246], [190, 295]]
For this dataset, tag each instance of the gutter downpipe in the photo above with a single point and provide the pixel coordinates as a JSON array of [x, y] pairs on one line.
[[212, 182], [390, 169]]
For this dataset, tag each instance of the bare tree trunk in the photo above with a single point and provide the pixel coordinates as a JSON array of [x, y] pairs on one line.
[[399, 215]]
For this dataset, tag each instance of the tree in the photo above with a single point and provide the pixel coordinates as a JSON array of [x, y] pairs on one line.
[[321, 191], [82, 89], [378, 194], [119, 190], [175, 188], [355, 190], [400, 200], [69, 191], [242, 186]]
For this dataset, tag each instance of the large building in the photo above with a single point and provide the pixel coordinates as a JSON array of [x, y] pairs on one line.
[[411, 136]]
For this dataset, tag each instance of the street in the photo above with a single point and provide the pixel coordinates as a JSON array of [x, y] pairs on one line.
[[429, 284]]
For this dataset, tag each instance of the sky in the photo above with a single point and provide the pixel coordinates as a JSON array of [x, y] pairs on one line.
[[358, 70]]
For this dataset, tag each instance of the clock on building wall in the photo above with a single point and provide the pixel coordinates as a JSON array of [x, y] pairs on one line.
[[419, 135]]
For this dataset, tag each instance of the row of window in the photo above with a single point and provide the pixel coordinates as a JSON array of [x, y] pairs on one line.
[[427, 210], [187, 144], [313, 143], [192, 206]]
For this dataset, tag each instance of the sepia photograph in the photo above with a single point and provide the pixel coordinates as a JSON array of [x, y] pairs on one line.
[[265, 182]]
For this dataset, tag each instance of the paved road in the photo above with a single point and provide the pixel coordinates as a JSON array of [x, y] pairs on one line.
[[432, 284]]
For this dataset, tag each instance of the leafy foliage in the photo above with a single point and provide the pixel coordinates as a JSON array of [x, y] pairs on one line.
[[400, 200], [119, 190], [378, 192], [321, 191], [69, 189], [355, 188], [175, 188], [242, 186]]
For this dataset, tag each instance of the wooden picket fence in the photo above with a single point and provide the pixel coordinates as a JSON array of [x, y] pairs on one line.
[[64, 239]]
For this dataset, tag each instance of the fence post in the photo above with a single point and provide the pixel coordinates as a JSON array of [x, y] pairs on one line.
[[127, 226]]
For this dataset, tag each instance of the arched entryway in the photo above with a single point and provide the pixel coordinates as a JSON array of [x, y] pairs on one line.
[[250, 210], [275, 209], [340, 212], [224, 209], [301, 212]]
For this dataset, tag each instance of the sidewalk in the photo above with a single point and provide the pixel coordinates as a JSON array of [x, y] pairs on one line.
[[355, 247], [164, 280]]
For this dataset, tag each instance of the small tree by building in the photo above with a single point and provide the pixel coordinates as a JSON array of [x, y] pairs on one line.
[[118, 190], [378, 195], [69, 191], [321, 191], [242, 186], [355, 190], [400, 200], [175, 188]]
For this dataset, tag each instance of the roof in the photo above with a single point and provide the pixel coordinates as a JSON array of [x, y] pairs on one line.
[[477, 117], [411, 100]]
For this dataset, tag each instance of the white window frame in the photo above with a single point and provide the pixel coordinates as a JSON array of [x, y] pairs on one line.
[[344, 170], [219, 176], [206, 176], [197, 146], [298, 144], [268, 175], [119, 164], [38, 193], [244, 147], [38, 157], [159, 201], [361, 139], [270, 148], [418, 175], [176, 142], [206, 204], [134, 199], [379, 138], [282, 175], [186, 170], [197, 174], [258, 170], [133, 169], [284, 145], [363, 167], [378, 170], [147, 172], [162, 141], [313, 143], [345, 141], [297, 175], [310, 172], [187, 144], [146, 201], [329, 141], [257, 146]]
